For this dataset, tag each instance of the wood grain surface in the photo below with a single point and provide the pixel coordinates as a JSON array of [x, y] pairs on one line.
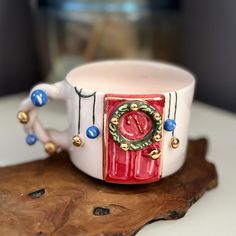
[[52, 197]]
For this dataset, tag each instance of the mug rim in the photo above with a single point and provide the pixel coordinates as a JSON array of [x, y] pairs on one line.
[[170, 76]]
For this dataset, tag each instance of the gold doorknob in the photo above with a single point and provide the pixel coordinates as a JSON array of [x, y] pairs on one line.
[[155, 154]]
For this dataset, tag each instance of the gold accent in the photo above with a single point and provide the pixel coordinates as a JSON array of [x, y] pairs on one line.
[[50, 147], [157, 137], [162, 144], [77, 141], [23, 117], [174, 142], [135, 99], [133, 107], [155, 154], [156, 116], [114, 121], [104, 140], [125, 146]]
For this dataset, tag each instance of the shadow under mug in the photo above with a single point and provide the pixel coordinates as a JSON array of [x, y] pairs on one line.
[[128, 119]]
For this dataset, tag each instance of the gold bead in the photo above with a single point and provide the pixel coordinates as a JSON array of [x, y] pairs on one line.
[[114, 121], [23, 117], [157, 137], [155, 154], [156, 116], [125, 146], [50, 147], [133, 107], [77, 141], [174, 142]]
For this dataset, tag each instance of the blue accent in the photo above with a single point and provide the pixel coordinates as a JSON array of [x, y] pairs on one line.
[[92, 132], [169, 125], [31, 139], [39, 98]]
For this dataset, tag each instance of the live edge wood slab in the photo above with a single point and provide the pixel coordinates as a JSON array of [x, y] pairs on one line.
[[52, 197]]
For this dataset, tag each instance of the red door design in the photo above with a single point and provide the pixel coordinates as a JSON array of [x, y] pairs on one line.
[[133, 138]]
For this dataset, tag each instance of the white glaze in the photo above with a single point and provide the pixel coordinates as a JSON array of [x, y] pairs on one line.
[[118, 77]]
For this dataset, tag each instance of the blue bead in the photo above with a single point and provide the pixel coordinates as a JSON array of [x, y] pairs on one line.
[[92, 132], [169, 125], [31, 139], [39, 98]]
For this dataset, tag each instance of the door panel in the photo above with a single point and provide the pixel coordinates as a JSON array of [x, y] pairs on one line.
[[128, 140]]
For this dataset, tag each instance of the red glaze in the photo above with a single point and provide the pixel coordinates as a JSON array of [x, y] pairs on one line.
[[131, 167], [134, 125]]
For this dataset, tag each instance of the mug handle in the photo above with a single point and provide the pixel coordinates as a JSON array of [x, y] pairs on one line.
[[52, 139]]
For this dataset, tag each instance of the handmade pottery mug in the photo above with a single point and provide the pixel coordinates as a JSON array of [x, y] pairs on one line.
[[128, 120]]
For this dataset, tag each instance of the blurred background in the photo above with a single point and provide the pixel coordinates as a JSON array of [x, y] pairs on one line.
[[41, 40]]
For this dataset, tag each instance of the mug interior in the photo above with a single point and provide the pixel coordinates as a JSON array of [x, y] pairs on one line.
[[130, 77]]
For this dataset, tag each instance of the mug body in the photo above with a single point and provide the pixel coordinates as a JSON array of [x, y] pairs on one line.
[[132, 117]]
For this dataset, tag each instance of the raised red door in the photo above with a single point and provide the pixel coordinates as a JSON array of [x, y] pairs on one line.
[[133, 134]]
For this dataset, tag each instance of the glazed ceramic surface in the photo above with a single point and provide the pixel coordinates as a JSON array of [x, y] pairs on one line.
[[128, 120]]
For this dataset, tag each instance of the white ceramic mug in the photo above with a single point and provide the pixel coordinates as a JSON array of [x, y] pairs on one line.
[[128, 120]]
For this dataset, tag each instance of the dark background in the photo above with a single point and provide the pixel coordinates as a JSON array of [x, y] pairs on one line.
[[19, 67], [207, 47]]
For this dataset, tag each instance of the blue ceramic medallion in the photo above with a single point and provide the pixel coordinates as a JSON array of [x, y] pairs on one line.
[[31, 139], [169, 125], [39, 98], [92, 132]]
